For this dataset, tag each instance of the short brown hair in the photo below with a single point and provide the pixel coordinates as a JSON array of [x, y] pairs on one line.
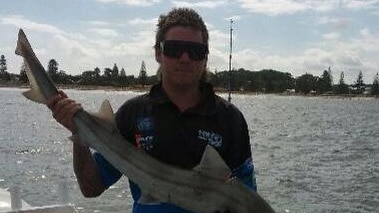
[[180, 17]]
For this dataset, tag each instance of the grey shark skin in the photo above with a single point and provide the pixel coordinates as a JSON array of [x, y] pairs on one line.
[[203, 189]]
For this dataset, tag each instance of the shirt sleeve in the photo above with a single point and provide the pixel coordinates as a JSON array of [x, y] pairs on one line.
[[109, 174], [245, 173], [243, 167]]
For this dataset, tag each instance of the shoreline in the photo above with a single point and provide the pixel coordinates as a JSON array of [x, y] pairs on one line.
[[217, 90], [83, 87]]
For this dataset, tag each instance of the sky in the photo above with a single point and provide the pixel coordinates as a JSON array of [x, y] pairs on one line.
[[294, 36]]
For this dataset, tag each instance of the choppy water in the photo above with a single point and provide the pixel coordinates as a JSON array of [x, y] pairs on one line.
[[312, 154]]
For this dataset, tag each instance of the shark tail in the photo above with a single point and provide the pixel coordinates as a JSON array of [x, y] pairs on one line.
[[25, 50]]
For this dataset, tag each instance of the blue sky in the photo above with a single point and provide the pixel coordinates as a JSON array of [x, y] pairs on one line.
[[295, 36]]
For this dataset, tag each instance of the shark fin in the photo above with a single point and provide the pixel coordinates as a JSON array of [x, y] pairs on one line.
[[213, 165], [23, 47], [22, 43], [34, 93], [105, 113]]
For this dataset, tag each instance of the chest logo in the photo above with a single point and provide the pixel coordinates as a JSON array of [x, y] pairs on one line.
[[144, 134], [211, 138]]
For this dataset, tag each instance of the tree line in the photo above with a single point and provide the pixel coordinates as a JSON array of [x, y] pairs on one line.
[[263, 81]]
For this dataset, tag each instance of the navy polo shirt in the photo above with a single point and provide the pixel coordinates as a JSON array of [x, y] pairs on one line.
[[153, 123]]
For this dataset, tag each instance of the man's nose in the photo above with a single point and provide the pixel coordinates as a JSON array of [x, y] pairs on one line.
[[184, 56]]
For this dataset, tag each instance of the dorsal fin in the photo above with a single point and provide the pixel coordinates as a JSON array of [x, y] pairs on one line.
[[213, 165], [105, 113]]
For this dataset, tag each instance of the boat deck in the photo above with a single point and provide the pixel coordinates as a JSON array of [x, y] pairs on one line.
[[10, 202]]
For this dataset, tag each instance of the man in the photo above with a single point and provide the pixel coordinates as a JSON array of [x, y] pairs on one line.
[[174, 121]]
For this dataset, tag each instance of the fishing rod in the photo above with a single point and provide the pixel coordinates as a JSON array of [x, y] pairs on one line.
[[230, 62]]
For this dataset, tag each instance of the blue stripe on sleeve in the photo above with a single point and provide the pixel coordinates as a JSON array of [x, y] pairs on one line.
[[245, 173], [109, 174]]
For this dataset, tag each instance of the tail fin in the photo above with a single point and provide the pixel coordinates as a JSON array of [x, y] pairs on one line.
[[22, 43]]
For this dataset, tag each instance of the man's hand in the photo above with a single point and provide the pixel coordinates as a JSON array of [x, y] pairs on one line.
[[63, 109]]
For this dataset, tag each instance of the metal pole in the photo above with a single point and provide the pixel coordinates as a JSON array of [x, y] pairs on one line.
[[230, 61], [16, 202]]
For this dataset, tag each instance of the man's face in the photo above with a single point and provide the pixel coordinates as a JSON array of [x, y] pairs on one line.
[[182, 57]]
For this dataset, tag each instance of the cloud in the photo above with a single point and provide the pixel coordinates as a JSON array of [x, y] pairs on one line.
[[342, 37], [105, 32], [331, 36], [28, 25], [138, 3], [361, 4], [139, 21], [201, 4], [141, 44], [96, 46], [365, 32], [21, 22], [98, 23], [284, 7], [218, 39], [369, 41], [234, 18], [347, 56], [273, 7], [74, 48], [339, 23]]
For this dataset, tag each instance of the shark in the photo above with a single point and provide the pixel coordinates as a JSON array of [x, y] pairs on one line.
[[203, 189]]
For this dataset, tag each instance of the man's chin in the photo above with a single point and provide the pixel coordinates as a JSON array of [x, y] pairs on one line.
[[185, 82]]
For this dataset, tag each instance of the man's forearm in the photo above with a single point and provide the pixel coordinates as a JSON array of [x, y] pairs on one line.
[[86, 171]]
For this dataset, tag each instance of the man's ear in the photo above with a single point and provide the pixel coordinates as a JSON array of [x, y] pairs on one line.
[[158, 56], [206, 62]]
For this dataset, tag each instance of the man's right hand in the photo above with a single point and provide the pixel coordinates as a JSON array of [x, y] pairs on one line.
[[63, 109]]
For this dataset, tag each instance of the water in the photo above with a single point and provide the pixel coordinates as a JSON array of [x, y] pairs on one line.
[[312, 154]]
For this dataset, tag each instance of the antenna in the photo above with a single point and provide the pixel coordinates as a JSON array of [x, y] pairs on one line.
[[230, 61]]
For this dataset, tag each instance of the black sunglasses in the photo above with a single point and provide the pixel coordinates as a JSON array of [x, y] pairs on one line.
[[175, 48]]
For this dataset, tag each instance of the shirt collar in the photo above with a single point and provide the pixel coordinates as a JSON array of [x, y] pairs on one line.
[[205, 106]]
